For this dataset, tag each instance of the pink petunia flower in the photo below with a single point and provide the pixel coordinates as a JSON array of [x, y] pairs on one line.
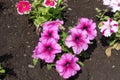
[[50, 3], [23, 7], [115, 5], [49, 34], [109, 27], [106, 2], [88, 27], [52, 25], [77, 40], [67, 65], [47, 50]]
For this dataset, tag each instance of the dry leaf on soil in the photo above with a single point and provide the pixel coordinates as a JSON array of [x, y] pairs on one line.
[[108, 51], [118, 46]]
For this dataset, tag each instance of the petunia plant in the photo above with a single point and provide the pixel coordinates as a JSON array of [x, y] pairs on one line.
[[44, 10], [41, 11], [58, 47], [110, 24], [61, 49], [23, 7], [2, 70]]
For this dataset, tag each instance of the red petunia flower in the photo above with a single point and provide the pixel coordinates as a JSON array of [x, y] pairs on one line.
[[50, 3], [23, 7]]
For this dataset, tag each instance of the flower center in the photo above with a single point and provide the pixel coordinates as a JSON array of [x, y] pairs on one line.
[[49, 48], [23, 5], [85, 27], [110, 26], [67, 64], [51, 1], [118, 4], [50, 34], [76, 38]]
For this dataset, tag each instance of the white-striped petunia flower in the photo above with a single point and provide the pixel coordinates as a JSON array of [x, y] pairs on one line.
[[108, 27]]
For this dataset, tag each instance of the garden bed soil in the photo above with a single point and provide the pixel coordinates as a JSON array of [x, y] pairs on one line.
[[18, 39]]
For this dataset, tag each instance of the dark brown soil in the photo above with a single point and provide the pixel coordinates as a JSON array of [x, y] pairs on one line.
[[18, 39]]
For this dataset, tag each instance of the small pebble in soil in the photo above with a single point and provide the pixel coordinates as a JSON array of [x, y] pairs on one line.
[[72, 21], [116, 54], [8, 26], [10, 47], [15, 26], [69, 9], [98, 41], [27, 42], [28, 46], [90, 59], [31, 66], [15, 34], [28, 33], [24, 55], [113, 66], [12, 6]]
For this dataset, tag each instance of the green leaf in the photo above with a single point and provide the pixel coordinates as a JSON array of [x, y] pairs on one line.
[[106, 17], [41, 14], [80, 63], [117, 15], [59, 2], [0, 66], [100, 24], [2, 71], [35, 3], [112, 42], [98, 10], [85, 55], [119, 21], [47, 16], [118, 29], [118, 35], [35, 61], [91, 42], [49, 66], [70, 27], [64, 34], [43, 10], [38, 21]]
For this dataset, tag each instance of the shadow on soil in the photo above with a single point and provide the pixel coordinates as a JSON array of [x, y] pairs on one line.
[[8, 71], [103, 41], [109, 13], [86, 55], [76, 76], [1, 7]]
